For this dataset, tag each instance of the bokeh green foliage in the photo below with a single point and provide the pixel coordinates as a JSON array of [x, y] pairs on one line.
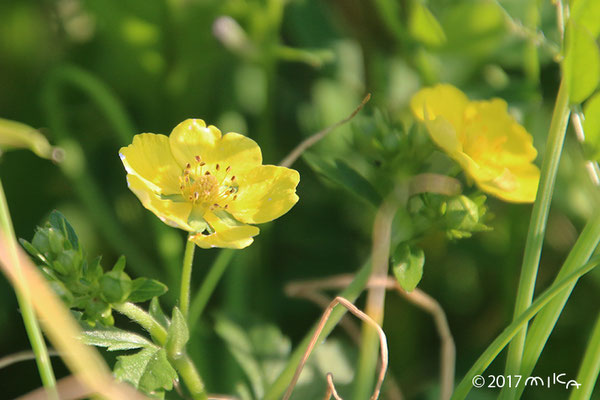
[[302, 65]]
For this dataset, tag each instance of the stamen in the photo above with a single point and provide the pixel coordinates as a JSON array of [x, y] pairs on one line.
[[226, 205], [235, 197], [217, 167], [207, 173], [196, 195], [202, 164], [198, 158], [228, 168], [233, 178], [216, 205], [188, 166]]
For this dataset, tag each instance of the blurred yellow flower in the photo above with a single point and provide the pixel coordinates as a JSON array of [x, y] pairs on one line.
[[209, 184], [491, 147]]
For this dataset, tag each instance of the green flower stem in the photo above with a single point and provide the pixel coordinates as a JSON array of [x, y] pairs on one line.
[[34, 333], [208, 285], [537, 225], [590, 366], [186, 276], [465, 386], [183, 363], [143, 319], [367, 362], [544, 323], [74, 165], [351, 293]]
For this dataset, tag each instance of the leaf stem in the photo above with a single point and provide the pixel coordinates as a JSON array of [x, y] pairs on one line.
[[382, 232], [590, 366], [34, 333], [537, 225], [186, 276], [208, 285]]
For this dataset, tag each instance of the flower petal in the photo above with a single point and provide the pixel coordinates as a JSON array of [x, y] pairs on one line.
[[265, 193], [233, 236], [193, 138], [440, 101], [171, 212], [516, 185], [149, 158]]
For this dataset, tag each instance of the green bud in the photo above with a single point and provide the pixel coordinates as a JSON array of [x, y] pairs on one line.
[[41, 241], [115, 286], [71, 261], [56, 240], [62, 292], [95, 309]]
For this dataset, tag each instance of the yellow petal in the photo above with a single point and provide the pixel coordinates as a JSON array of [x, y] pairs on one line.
[[265, 193], [149, 158], [193, 138], [517, 185], [492, 133], [236, 236], [440, 101], [172, 213]]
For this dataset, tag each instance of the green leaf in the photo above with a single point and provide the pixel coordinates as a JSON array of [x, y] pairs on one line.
[[177, 335], [157, 313], [32, 250], [581, 65], [60, 223], [120, 264], [587, 14], [408, 266], [424, 27], [591, 127], [144, 289], [115, 339], [345, 176], [147, 370]]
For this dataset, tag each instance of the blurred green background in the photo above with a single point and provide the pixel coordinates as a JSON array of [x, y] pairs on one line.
[[92, 74]]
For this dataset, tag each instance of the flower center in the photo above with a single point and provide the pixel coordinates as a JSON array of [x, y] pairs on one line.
[[208, 186]]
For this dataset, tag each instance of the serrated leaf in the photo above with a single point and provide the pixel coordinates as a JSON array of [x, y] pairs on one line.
[[115, 339], [59, 222], [144, 289], [591, 127], [157, 313], [424, 27], [177, 335], [408, 266], [581, 65], [147, 370], [345, 176]]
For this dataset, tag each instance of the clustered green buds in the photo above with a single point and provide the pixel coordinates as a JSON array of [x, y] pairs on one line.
[[84, 285]]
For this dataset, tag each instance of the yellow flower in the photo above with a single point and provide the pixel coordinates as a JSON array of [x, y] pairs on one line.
[[209, 184], [492, 148]]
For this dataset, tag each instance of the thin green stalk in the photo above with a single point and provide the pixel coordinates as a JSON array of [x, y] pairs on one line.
[[351, 293], [208, 285], [184, 365], [367, 362], [34, 333], [465, 386], [537, 225], [544, 323], [186, 276], [590, 366]]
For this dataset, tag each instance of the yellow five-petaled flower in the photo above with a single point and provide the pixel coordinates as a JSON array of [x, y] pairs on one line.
[[490, 146], [209, 184]]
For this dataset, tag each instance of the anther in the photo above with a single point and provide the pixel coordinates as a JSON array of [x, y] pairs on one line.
[[228, 169], [196, 195], [202, 164], [233, 178], [188, 166], [235, 197], [226, 205], [207, 173], [216, 205], [198, 159], [217, 167]]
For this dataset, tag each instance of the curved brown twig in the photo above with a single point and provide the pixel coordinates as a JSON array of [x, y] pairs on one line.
[[312, 140], [359, 314]]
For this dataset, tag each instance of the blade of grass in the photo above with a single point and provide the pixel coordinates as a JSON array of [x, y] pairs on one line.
[[465, 386], [537, 225], [544, 323], [590, 366]]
